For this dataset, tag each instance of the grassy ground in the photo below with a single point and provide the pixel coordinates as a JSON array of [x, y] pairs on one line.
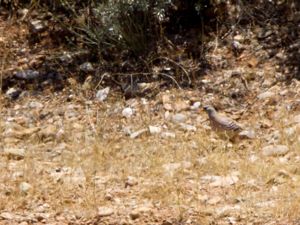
[[93, 164]]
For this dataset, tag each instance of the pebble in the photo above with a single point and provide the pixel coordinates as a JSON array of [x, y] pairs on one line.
[[187, 127], [238, 37], [35, 105], [86, 67], [7, 216], [66, 58], [296, 119], [290, 131], [24, 187], [13, 93], [247, 134], [16, 153], [37, 26], [168, 135], [105, 211], [214, 200], [195, 106], [220, 181], [136, 213], [131, 181], [28, 74], [265, 95], [154, 129], [179, 118], [127, 112], [138, 133], [102, 94], [275, 150]]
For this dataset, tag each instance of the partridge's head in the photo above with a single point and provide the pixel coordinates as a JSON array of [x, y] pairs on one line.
[[209, 109]]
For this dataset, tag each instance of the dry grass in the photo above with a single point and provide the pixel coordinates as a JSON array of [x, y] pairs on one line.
[[76, 174]]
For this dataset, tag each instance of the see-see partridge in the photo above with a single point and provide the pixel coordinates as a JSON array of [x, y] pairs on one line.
[[221, 123]]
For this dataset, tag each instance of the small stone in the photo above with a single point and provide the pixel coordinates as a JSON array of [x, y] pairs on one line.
[[105, 211], [60, 134], [16, 153], [23, 223], [13, 93], [237, 47], [127, 112], [253, 158], [265, 95], [238, 37], [102, 94], [131, 181], [250, 134], [139, 211], [267, 83], [7, 216], [280, 56], [168, 135], [296, 119], [179, 118], [187, 127], [66, 58], [166, 100], [127, 130], [219, 181], [232, 220], [214, 200], [25, 187], [35, 105], [86, 67], [28, 74], [167, 222], [291, 131], [134, 215], [138, 133], [195, 106], [275, 150], [227, 210], [37, 26], [154, 129], [108, 197]]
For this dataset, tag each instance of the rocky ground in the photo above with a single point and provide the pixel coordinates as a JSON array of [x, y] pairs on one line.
[[71, 157]]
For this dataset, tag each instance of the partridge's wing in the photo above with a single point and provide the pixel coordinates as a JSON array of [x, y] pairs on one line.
[[226, 123]]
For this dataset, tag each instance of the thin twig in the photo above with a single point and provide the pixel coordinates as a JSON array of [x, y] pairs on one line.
[[144, 74], [178, 65], [167, 75]]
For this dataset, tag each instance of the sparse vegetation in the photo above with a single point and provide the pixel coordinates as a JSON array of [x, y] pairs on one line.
[[68, 157]]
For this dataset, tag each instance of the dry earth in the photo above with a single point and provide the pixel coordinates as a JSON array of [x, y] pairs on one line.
[[67, 159]]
